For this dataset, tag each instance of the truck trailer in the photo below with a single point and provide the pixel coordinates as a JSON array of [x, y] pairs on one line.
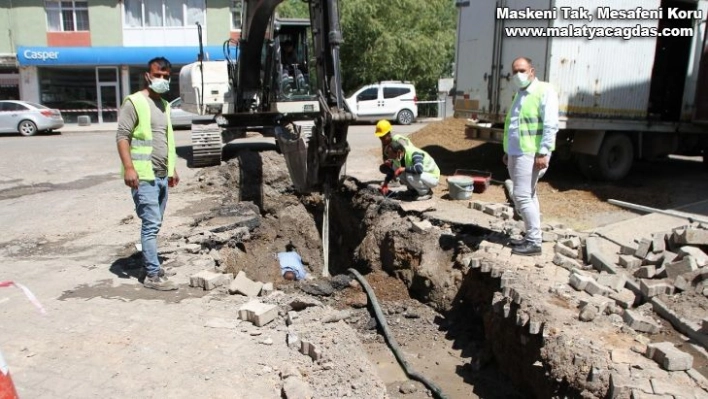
[[630, 75]]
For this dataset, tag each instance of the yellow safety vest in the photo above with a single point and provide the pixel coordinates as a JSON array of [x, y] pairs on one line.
[[530, 121], [429, 165], [141, 139]]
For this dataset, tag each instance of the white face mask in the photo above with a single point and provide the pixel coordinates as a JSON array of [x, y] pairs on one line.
[[159, 85], [521, 80]]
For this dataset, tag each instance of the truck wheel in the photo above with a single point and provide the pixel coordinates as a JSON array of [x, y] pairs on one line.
[[405, 117], [616, 157]]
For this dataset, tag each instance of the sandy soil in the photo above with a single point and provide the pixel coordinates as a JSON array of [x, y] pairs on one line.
[[566, 196]]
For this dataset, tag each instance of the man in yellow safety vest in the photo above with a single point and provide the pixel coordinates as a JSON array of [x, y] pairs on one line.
[[529, 138], [146, 146]]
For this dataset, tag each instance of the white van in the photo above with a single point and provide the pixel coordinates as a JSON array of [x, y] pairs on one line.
[[392, 100]]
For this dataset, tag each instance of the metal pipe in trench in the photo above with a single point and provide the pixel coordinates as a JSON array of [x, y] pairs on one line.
[[391, 341]]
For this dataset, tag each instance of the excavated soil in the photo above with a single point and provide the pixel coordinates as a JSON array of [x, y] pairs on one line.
[[565, 195]]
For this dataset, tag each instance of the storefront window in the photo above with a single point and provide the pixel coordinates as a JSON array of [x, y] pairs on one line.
[[67, 16], [70, 90]]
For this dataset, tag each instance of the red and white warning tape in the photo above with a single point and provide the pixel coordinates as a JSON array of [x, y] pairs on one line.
[[27, 292], [89, 110]]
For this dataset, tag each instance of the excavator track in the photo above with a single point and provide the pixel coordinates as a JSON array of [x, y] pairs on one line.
[[206, 145]]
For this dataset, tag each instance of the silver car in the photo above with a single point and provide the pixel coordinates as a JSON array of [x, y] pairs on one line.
[[28, 118], [182, 119]]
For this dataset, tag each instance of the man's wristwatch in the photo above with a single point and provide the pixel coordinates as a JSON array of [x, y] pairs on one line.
[[541, 155]]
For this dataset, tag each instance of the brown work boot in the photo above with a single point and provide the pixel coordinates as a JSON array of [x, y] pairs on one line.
[[159, 283]]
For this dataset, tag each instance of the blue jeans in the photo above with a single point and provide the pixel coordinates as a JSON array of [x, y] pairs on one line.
[[150, 201]]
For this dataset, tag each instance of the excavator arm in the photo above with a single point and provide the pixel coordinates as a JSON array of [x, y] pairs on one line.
[[327, 148]]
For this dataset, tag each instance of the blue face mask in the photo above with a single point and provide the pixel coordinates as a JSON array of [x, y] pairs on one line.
[[159, 85]]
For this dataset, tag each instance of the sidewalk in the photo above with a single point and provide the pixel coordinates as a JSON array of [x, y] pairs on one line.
[[108, 127]]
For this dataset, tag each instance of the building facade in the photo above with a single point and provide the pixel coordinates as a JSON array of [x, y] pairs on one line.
[[84, 56]]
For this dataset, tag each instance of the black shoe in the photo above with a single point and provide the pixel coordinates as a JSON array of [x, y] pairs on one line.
[[515, 242], [527, 249]]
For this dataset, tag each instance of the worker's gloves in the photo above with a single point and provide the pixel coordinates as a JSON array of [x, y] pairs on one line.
[[384, 189], [399, 171]]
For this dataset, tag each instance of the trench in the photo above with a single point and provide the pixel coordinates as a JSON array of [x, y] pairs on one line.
[[369, 236], [494, 356]]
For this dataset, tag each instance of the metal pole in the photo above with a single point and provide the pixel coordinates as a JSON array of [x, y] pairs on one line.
[[642, 208]]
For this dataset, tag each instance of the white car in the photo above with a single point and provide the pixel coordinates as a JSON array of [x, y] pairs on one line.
[[392, 100], [28, 118]]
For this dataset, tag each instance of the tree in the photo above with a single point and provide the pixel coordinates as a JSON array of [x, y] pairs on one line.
[[397, 40]]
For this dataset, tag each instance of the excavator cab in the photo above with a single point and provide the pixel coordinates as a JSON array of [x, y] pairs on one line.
[[282, 76]]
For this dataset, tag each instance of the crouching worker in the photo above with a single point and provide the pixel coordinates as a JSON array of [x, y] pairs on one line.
[[384, 131], [418, 171]]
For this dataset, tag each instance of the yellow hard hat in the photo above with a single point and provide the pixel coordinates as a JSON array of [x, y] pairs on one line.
[[383, 127]]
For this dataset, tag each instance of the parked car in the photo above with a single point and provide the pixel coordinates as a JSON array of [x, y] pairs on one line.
[[28, 118], [182, 119], [392, 100]]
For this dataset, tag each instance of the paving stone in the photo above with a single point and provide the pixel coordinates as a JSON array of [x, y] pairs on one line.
[[653, 258], [691, 236], [621, 386], [698, 378], [594, 288], [602, 263], [258, 313], [614, 281], [640, 323], [658, 242], [479, 205], [630, 261], [696, 253], [639, 394], [669, 357], [572, 242], [566, 262], [267, 289], [493, 209], [645, 272], [643, 248], [550, 236], [665, 387], [245, 286], [685, 265], [690, 280], [422, 226], [579, 282], [652, 288], [564, 250], [208, 280], [624, 298], [192, 248], [600, 303], [669, 257]]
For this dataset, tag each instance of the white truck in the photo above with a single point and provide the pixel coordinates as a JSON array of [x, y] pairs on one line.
[[631, 77]]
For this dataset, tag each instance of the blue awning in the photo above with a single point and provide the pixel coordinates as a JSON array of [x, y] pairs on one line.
[[58, 56]]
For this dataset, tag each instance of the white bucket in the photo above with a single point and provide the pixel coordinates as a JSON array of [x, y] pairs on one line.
[[460, 187]]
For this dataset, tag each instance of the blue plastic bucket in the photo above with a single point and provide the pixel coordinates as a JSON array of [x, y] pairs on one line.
[[460, 187]]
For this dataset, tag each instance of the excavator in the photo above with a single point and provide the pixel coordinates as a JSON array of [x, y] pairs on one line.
[[297, 96], [295, 92]]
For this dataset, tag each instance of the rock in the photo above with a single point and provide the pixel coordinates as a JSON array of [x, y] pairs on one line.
[[340, 281], [408, 387], [588, 313], [317, 288], [358, 300]]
